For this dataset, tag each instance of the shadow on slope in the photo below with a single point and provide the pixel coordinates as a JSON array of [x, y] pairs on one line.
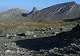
[[60, 40]]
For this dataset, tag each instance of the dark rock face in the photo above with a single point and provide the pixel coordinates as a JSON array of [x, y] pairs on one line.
[[77, 28], [60, 40], [34, 10], [24, 14], [21, 34]]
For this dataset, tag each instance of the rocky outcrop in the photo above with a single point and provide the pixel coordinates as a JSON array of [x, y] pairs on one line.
[[61, 40]]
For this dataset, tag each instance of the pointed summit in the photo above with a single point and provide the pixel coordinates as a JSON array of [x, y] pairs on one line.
[[34, 9]]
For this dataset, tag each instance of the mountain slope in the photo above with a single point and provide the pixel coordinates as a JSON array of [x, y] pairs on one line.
[[67, 10]]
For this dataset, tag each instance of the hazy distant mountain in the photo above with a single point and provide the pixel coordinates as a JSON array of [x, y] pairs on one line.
[[12, 14]]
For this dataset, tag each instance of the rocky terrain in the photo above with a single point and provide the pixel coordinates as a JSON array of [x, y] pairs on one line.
[[52, 31], [61, 40]]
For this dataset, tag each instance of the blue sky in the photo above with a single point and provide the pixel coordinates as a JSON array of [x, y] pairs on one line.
[[29, 4]]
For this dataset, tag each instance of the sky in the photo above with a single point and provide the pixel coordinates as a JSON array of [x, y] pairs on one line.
[[29, 4]]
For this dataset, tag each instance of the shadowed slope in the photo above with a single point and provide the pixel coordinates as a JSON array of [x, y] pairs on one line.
[[60, 40]]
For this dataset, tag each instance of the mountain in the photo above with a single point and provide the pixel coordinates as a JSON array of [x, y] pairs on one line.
[[67, 10], [12, 15]]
